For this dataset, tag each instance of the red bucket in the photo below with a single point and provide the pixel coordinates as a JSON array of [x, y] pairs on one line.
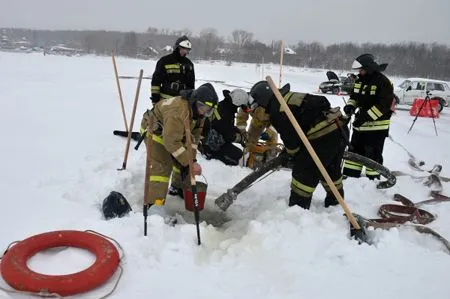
[[201, 195]]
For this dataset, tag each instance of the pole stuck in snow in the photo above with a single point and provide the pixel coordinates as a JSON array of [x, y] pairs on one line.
[[314, 156], [148, 169], [119, 91], [192, 179], [136, 99], [281, 61]]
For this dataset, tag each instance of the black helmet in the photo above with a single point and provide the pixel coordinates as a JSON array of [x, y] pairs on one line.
[[115, 205], [206, 94], [183, 42], [262, 93], [367, 62]]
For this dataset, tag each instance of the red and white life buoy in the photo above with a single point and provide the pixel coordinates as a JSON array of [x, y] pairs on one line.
[[18, 275]]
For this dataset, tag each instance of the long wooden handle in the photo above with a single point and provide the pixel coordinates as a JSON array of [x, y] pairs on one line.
[[189, 153], [136, 99], [192, 178], [312, 152], [120, 92], [281, 61], [148, 164], [148, 169]]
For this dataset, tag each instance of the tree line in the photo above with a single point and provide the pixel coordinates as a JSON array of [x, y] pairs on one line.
[[405, 59]]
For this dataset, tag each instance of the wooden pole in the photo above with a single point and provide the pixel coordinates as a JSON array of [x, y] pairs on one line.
[[192, 178], [262, 68], [281, 61], [136, 99], [312, 152], [120, 92], [148, 167]]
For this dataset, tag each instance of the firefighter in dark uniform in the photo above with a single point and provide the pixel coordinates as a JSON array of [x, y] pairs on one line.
[[173, 73], [219, 131], [371, 99], [323, 127]]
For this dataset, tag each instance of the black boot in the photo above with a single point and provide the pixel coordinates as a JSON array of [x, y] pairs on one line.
[[301, 201], [351, 173], [330, 199], [373, 177]]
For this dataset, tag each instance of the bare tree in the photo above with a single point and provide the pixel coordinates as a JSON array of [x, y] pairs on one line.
[[129, 47], [186, 31], [241, 38], [89, 43], [405, 59], [209, 40], [152, 30]]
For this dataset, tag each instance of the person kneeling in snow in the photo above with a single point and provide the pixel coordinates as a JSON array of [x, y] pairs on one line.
[[219, 132], [321, 124], [259, 129], [169, 141]]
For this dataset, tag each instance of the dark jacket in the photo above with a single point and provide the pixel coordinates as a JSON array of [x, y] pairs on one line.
[[310, 112], [172, 74], [222, 121], [373, 95]]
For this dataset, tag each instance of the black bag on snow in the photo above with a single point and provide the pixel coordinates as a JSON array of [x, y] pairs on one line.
[[115, 205]]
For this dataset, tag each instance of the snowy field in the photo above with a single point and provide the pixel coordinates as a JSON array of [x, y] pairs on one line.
[[60, 161]]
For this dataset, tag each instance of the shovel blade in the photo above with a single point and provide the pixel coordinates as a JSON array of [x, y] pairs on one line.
[[225, 200], [360, 234]]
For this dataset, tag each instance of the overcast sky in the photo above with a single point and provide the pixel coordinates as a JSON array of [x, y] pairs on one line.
[[325, 21]]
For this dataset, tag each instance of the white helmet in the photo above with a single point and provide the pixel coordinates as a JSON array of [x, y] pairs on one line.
[[240, 98], [183, 42]]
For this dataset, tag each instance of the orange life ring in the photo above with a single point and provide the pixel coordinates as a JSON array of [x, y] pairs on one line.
[[18, 275]]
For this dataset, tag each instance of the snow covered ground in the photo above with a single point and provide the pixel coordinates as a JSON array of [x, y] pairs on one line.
[[60, 159]]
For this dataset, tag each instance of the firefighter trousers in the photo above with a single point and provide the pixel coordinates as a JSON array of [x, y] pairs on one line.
[[163, 166], [158, 145], [368, 144], [306, 176]]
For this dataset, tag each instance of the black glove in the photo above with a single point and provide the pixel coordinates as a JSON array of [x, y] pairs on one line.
[[349, 110], [155, 98], [264, 136], [357, 123], [360, 118]]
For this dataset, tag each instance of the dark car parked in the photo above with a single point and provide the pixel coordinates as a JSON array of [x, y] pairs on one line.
[[336, 85]]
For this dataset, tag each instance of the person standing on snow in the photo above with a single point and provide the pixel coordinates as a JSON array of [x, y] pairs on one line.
[[372, 95], [220, 133], [169, 141], [321, 125], [173, 73]]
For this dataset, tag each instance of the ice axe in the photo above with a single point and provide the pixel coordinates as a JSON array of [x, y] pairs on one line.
[[357, 230]]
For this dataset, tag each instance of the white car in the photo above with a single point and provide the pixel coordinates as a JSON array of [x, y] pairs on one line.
[[417, 88]]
